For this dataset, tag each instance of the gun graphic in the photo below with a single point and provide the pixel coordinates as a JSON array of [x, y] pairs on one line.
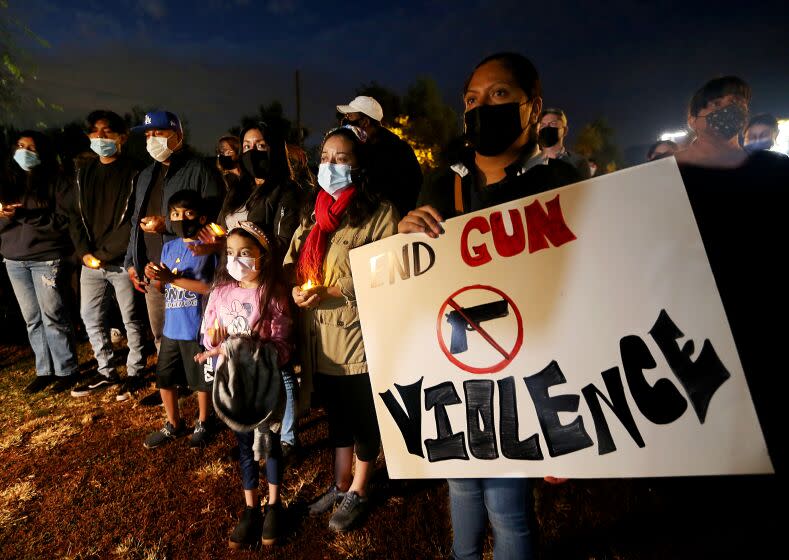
[[476, 314]]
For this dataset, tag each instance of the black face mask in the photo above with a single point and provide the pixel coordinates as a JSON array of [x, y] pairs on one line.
[[491, 129], [548, 136], [185, 228], [256, 163], [226, 162], [346, 121]]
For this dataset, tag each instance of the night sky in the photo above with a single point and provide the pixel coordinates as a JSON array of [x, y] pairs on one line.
[[211, 61]]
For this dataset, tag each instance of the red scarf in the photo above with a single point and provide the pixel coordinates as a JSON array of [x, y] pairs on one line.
[[328, 214]]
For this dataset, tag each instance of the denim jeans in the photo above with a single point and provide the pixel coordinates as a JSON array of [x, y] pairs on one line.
[[506, 502], [288, 432], [250, 469], [154, 301], [97, 286], [41, 290]]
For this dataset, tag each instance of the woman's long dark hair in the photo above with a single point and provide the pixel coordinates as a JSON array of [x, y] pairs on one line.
[[365, 202], [245, 192], [272, 284], [37, 185]]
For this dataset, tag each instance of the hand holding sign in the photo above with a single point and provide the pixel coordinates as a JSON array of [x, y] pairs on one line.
[[424, 219]]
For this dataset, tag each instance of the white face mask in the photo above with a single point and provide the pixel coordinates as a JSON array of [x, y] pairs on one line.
[[242, 268], [157, 148], [26, 159], [333, 177]]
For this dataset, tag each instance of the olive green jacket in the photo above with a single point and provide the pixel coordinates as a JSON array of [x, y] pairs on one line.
[[330, 334]]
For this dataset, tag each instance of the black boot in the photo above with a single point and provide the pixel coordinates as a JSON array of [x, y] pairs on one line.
[[247, 532], [273, 524]]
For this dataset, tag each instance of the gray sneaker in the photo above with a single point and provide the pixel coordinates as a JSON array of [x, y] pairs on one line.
[[167, 434], [327, 501], [352, 507]]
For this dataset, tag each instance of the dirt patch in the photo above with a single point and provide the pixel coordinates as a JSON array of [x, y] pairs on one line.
[[77, 483]]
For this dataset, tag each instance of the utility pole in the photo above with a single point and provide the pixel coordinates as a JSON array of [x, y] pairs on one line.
[[298, 109]]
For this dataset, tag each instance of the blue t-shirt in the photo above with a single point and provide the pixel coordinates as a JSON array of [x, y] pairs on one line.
[[183, 309]]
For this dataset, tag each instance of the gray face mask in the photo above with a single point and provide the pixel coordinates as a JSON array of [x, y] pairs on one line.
[[727, 121]]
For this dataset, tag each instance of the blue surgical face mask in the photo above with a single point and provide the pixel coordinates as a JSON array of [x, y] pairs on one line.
[[758, 145], [26, 159], [333, 177], [104, 146]]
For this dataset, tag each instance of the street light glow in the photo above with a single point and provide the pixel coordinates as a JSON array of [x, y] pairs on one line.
[[782, 142], [673, 136]]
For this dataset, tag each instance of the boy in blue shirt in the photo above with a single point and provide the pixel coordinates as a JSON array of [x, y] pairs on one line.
[[186, 279]]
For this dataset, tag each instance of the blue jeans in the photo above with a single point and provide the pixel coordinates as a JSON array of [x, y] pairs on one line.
[[97, 288], [40, 288], [506, 502], [288, 432]]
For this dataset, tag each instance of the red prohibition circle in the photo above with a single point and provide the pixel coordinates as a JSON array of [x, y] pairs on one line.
[[497, 366]]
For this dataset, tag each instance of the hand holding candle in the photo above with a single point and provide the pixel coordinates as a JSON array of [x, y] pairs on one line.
[[217, 333], [90, 261], [216, 229], [8, 210]]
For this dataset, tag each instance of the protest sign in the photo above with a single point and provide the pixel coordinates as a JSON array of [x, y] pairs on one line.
[[577, 333]]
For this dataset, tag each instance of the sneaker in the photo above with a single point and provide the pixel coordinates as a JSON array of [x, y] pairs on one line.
[[65, 383], [154, 399], [40, 383], [130, 386], [327, 501], [200, 436], [117, 336], [167, 434], [97, 382], [273, 524], [247, 532], [289, 450], [352, 507]]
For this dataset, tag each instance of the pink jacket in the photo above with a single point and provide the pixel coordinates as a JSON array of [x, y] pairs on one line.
[[237, 309]]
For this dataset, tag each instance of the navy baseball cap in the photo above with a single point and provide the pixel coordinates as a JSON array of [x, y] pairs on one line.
[[163, 120]]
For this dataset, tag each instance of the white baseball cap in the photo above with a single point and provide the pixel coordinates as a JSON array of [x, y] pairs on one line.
[[363, 104]]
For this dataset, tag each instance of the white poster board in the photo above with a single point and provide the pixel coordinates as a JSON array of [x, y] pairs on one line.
[[589, 340]]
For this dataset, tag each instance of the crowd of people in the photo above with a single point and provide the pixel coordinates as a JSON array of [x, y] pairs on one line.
[[243, 268]]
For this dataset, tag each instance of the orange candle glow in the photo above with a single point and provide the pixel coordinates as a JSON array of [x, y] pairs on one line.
[[216, 229], [93, 262], [307, 285]]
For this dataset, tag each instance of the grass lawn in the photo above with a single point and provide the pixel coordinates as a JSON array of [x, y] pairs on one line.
[[76, 483]]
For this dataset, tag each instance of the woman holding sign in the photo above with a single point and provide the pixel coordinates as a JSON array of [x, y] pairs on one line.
[[343, 214], [502, 101]]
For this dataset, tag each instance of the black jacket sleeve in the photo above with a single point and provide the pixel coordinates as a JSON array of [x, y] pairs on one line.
[[76, 226]]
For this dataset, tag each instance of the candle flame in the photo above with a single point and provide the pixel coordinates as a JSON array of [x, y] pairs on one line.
[[94, 262], [217, 229], [216, 322], [307, 285]]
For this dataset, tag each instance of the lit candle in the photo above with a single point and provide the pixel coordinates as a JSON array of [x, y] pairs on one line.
[[307, 285], [217, 229], [93, 262], [212, 331]]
